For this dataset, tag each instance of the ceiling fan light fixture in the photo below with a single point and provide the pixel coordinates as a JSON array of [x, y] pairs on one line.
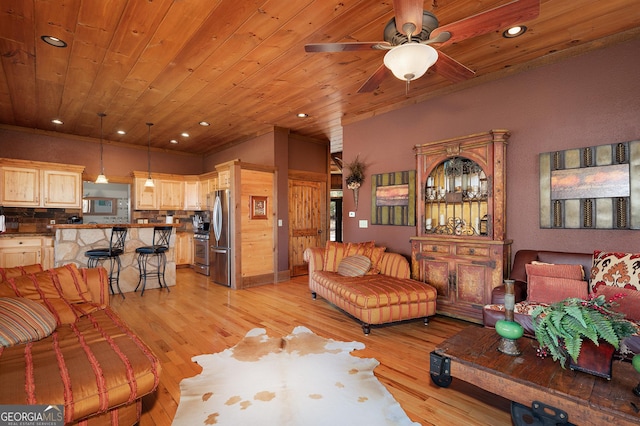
[[410, 61]]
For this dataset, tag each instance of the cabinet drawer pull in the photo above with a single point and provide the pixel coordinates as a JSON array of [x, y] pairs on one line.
[[472, 251], [434, 248]]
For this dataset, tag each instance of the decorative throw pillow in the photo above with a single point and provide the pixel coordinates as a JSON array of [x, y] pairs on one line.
[[6, 273], [354, 266], [376, 259], [23, 320], [542, 289], [61, 290], [572, 272], [549, 283], [363, 248], [621, 270], [333, 254], [628, 304]]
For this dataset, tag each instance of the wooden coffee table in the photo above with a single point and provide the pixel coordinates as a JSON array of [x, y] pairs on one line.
[[538, 388]]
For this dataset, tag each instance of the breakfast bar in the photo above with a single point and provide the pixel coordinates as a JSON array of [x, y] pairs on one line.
[[71, 241]]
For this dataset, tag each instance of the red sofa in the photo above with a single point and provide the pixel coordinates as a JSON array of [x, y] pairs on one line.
[[493, 312]]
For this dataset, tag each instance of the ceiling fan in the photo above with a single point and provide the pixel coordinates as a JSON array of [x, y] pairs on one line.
[[410, 33]]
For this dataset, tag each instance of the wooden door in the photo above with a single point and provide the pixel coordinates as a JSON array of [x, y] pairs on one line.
[[307, 221]]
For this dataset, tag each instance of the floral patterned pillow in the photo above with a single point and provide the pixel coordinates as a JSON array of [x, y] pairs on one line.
[[615, 269]]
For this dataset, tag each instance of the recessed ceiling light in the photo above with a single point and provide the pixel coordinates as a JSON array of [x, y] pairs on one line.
[[184, 134], [204, 123], [57, 121], [121, 132], [53, 41], [514, 31], [302, 115], [173, 141]]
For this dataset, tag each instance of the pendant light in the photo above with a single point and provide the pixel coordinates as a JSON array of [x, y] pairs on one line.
[[149, 182], [101, 177]]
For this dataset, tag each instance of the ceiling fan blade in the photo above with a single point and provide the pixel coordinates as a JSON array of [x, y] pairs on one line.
[[495, 19], [347, 47], [374, 81], [451, 69], [408, 12]]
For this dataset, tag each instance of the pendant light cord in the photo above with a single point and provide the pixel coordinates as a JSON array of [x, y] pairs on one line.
[[149, 150], [101, 115]]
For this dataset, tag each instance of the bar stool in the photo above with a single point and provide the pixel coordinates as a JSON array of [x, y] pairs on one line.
[[157, 251], [116, 247]]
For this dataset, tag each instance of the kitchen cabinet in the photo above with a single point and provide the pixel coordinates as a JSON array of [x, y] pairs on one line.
[[208, 185], [192, 190], [20, 251], [460, 247], [47, 256], [146, 197], [20, 186], [40, 184], [62, 189], [171, 194], [184, 248]]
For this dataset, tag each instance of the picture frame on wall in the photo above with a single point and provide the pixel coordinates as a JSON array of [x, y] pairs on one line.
[[258, 207], [393, 198]]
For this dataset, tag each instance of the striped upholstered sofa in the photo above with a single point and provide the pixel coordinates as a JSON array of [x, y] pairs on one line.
[[378, 292], [61, 345]]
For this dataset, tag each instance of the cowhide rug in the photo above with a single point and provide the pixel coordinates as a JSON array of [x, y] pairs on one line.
[[301, 379]]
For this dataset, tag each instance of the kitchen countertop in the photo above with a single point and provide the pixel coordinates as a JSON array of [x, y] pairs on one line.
[[25, 234], [111, 225]]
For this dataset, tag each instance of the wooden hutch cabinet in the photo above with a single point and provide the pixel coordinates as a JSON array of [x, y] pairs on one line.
[[460, 247]]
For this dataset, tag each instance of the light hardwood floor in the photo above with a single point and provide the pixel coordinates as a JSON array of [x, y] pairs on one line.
[[198, 317]]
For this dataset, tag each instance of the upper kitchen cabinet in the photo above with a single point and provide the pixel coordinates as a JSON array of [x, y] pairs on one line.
[[145, 197], [168, 192], [62, 188], [227, 174], [208, 184], [192, 188], [40, 184], [171, 194]]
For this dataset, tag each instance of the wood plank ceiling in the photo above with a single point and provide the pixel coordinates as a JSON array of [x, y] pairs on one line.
[[241, 65]]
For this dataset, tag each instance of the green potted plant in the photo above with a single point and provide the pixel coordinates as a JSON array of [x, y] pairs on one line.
[[567, 328]]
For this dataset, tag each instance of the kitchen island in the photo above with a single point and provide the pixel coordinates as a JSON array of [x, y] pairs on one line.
[[71, 241]]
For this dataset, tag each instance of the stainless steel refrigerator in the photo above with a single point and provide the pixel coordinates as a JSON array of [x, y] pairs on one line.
[[220, 239]]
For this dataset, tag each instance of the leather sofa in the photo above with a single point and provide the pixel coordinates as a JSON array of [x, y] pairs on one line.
[[82, 355], [522, 312], [384, 294]]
